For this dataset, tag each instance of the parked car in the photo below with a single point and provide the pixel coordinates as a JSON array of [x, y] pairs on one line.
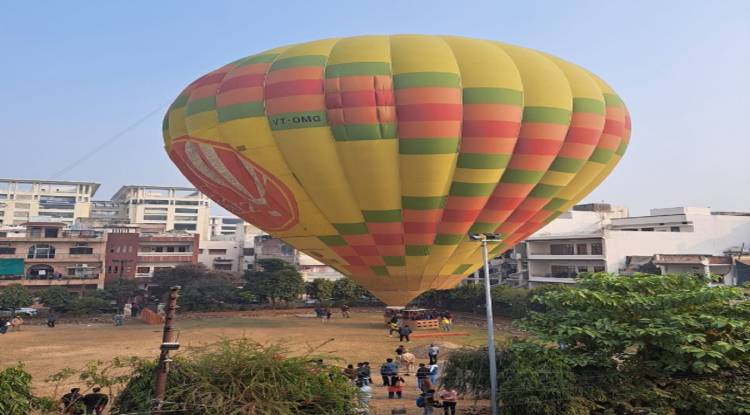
[[23, 311]]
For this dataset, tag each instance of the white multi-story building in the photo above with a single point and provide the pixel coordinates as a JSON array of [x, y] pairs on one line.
[[591, 241], [23, 200], [177, 208], [225, 225]]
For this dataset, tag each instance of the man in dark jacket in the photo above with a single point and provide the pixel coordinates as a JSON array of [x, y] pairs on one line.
[[403, 333], [95, 402], [72, 403], [422, 374]]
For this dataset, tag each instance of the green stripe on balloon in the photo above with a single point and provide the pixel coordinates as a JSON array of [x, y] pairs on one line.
[[567, 165], [351, 228], [601, 155], [621, 148], [244, 110], [613, 100], [522, 176], [588, 105], [250, 60], [358, 69], [394, 261], [426, 79], [482, 161], [423, 203], [492, 96], [472, 189], [180, 102], [357, 132], [448, 239], [547, 115], [555, 203], [545, 191], [428, 146], [200, 105], [299, 61], [483, 227], [417, 250], [462, 268], [380, 270], [379, 216]]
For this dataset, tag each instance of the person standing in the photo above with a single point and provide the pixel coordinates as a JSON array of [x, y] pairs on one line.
[[403, 333], [396, 388], [364, 394], [434, 373], [388, 370], [427, 399], [345, 311], [3, 325], [51, 319], [71, 402], [446, 323], [16, 323], [423, 372], [329, 314], [432, 353], [449, 397], [95, 402], [350, 372]]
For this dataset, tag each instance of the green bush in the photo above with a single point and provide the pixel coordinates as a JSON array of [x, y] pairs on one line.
[[15, 393], [242, 377]]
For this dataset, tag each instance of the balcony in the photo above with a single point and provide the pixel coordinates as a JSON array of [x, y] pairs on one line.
[[152, 253], [92, 279], [573, 257], [550, 279], [83, 258]]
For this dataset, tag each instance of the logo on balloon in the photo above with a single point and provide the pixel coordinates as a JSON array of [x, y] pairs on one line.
[[236, 183]]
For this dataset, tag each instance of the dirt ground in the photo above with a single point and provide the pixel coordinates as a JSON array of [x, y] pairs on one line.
[[363, 337]]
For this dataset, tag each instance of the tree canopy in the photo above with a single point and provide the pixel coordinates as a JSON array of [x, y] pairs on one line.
[[15, 296], [320, 289], [275, 280], [202, 289]]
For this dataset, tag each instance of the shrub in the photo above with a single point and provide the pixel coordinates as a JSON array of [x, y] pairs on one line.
[[15, 393]]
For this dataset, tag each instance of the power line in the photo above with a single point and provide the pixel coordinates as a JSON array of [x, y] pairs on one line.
[[108, 142]]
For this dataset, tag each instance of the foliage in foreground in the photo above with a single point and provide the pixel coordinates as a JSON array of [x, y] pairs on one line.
[[15, 393], [506, 301], [644, 344], [241, 377]]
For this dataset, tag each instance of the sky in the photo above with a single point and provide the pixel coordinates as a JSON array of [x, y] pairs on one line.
[[84, 84]]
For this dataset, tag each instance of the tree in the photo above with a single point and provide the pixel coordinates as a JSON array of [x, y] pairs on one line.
[[15, 296], [15, 390], [275, 281], [652, 343], [346, 291], [320, 289], [57, 298], [121, 291], [202, 289]]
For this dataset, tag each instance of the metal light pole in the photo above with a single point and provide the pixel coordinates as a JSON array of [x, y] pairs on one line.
[[490, 321]]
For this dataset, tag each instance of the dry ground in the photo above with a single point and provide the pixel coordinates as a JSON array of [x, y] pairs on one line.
[[363, 337]]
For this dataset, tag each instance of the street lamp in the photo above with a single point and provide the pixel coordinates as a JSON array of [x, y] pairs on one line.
[[484, 238]]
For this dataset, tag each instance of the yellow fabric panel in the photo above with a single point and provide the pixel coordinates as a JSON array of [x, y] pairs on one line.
[[316, 47], [587, 174], [369, 167], [557, 178], [581, 83], [177, 127], [483, 65], [593, 184], [420, 53], [544, 84], [361, 49], [311, 155], [203, 125], [426, 175], [466, 175]]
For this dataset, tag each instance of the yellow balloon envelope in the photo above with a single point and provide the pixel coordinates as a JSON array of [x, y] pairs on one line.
[[377, 155]]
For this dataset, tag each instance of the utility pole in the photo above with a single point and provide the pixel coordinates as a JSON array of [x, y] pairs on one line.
[[167, 344], [483, 239]]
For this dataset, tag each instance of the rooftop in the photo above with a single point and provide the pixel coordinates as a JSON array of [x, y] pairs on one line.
[[94, 186]]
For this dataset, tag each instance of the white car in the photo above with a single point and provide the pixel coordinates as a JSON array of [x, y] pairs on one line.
[[27, 311]]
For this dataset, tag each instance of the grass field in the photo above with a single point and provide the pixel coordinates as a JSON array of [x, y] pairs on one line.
[[363, 337]]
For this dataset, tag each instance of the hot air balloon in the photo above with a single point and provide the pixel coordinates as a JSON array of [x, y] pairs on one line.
[[377, 155]]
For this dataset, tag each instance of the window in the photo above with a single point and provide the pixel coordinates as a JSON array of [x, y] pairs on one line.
[[582, 268], [170, 249], [41, 251], [223, 267], [647, 229], [156, 202], [155, 210], [562, 271], [184, 226], [582, 249], [81, 250], [154, 217], [185, 210], [217, 251], [182, 218], [7, 250], [248, 251], [143, 270], [598, 268], [561, 249], [186, 203], [183, 249], [596, 248], [674, 228], [57, 202]]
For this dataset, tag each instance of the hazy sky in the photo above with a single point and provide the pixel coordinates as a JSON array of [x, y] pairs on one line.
[[74, 74]]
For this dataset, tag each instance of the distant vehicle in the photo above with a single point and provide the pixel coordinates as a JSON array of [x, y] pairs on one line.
[[23, 311], [311, 301]]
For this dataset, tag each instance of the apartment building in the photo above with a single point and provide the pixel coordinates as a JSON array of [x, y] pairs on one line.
[[136, 253], [23, 200], [675, 239], [224, 225], [177, 208], [43, 254]]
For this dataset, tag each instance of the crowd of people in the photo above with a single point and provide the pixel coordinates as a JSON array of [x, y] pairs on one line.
[[325, 314], [393, 372], [13, 324]]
